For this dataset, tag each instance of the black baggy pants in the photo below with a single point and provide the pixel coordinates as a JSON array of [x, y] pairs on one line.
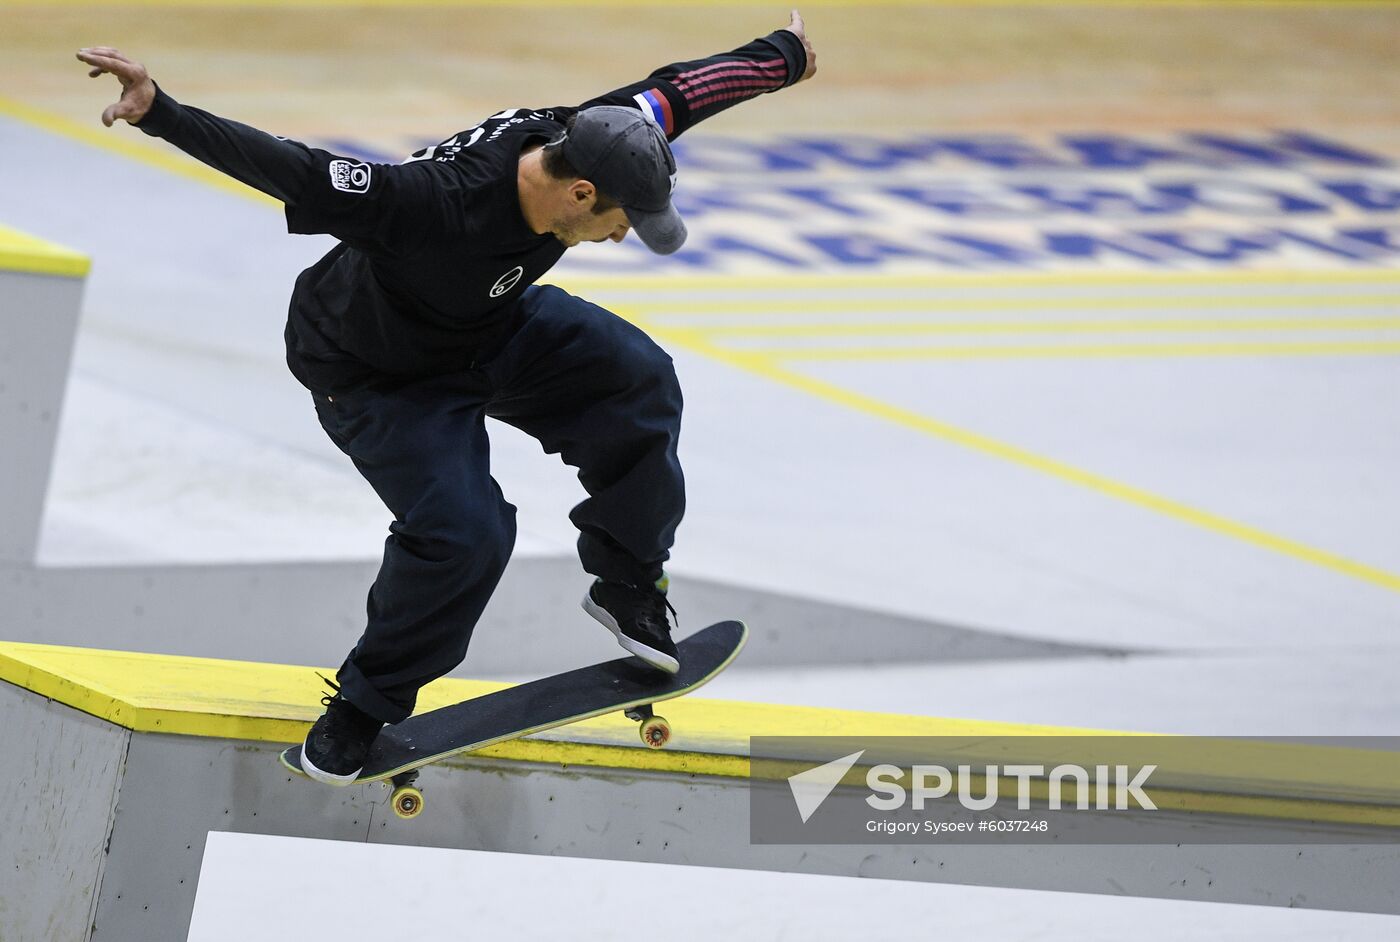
[[591, 388]]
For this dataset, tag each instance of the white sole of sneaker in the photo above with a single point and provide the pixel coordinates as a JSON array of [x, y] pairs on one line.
[[658, 659], [328, 778]]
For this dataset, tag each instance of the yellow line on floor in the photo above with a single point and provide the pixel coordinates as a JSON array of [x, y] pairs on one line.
[[1174, 325], [875, 4], [663, 307], [127, 142], [815, 282], [1085, 351], [764, 366]]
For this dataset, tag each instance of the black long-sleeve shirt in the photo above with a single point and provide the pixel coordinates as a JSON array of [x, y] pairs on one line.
[[435, 252]]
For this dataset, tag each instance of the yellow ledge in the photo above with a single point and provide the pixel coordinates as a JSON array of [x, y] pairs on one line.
[[157, 693], [25, 253], [276, 703]]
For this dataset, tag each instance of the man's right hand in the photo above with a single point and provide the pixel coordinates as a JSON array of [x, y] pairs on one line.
[[799, 29], [138, 91]]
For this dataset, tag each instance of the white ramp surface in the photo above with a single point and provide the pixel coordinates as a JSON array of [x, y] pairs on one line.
[[256, 887]]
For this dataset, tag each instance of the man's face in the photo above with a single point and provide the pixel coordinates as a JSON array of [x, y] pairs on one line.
[[581, 224]]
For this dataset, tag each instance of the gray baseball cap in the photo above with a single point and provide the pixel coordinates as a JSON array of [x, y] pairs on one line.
[[626, 156]]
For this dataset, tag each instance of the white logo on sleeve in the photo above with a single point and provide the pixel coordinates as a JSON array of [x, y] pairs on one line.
[[350, 176], [506, 281]]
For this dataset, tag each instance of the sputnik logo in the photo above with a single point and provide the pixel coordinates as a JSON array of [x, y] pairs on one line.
[[811, 788]]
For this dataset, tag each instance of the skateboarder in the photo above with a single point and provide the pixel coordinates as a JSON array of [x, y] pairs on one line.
[[425, 318]]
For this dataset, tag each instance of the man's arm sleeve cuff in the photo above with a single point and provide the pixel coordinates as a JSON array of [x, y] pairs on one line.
[[792, 51], [162, 117]]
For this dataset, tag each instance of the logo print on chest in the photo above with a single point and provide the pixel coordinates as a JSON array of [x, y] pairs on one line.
[[507, 281]]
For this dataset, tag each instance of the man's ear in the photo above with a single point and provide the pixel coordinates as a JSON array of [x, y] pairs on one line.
[[583, 193]]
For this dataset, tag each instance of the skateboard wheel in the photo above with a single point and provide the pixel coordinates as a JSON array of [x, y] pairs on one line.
[[656, 732], [407, 802]]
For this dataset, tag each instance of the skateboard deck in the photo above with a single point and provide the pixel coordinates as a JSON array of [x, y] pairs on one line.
[[626, 684]]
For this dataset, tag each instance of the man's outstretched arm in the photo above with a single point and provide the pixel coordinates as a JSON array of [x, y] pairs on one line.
[[389, 205], [277, 167], [681, 95]]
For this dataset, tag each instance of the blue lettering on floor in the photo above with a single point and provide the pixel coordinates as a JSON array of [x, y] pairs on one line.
[[1012, 201]]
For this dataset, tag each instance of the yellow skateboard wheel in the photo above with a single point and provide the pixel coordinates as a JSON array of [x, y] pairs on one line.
[[407, 802], [656, 732]]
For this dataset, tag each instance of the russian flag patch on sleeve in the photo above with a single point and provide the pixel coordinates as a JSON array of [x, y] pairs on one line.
[[655, 106]]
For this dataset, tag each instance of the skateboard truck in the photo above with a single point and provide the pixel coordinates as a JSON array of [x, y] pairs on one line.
[[655, 731]]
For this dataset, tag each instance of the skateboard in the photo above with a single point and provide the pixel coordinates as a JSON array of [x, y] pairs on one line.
[[627, 684]]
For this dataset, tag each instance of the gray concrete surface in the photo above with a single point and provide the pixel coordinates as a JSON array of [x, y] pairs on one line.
[[61, 775], [39, 321], [312, 613]]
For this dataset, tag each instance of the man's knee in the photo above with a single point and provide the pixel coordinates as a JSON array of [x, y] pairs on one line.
[[459, 527], [649, 369]]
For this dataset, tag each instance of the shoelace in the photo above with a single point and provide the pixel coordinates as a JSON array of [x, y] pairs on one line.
[[654, 614], [326, 699], [669, 608]]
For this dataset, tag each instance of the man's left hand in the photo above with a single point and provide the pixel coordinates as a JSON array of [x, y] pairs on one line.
[[138, 91]]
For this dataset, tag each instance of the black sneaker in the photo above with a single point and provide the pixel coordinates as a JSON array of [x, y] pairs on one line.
[[638, 618], [335, 749]]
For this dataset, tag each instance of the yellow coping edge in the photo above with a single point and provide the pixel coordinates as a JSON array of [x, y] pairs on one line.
[[157, 693], [32, 255], [276, 703]]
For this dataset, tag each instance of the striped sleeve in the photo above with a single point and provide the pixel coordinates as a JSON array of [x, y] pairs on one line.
[[730, 80], [681, 95]]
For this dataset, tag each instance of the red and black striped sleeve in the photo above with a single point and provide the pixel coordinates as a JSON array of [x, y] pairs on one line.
[[683, 94]]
